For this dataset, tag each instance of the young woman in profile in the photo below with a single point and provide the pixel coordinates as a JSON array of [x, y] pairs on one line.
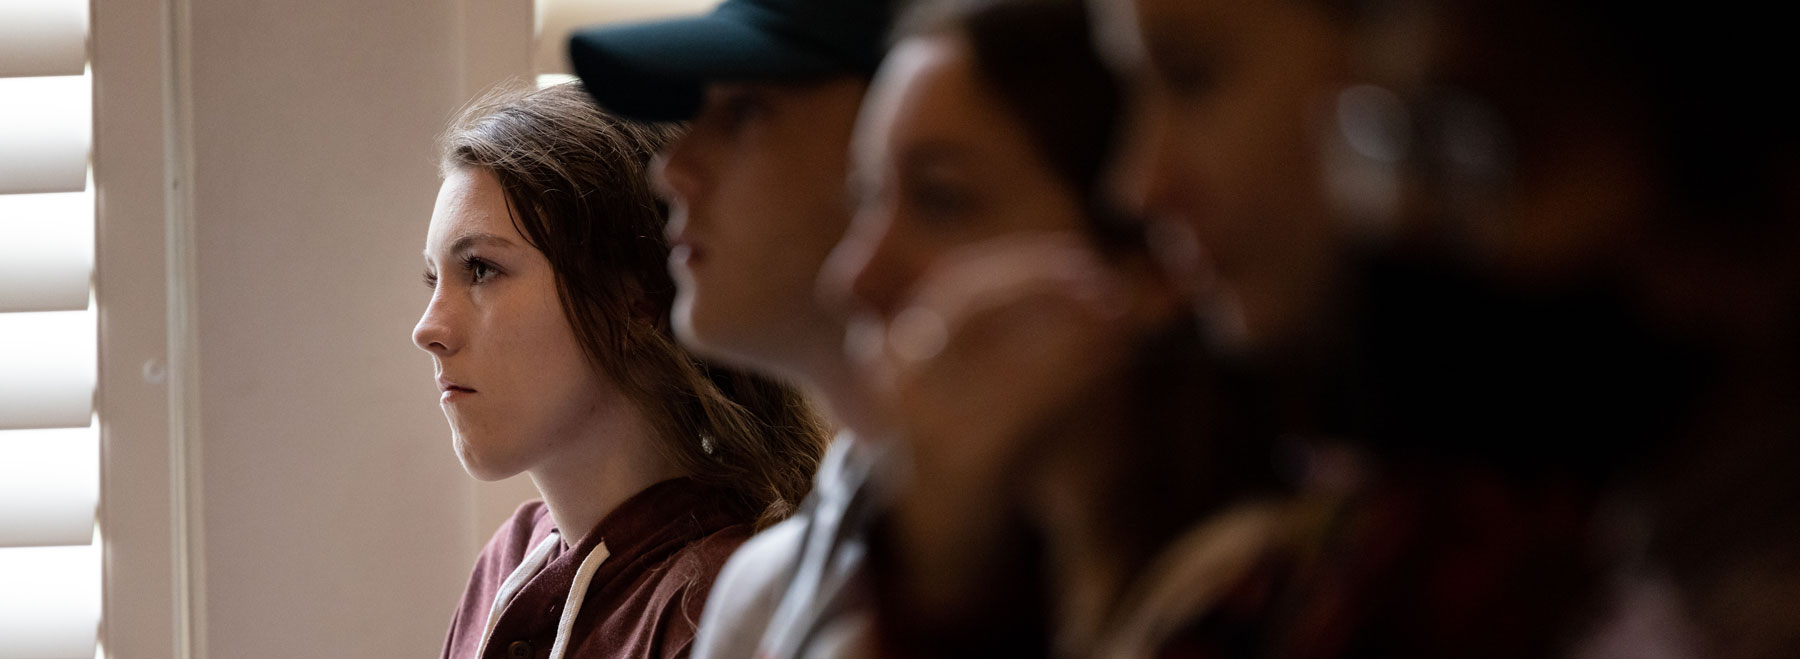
[[548, 326]]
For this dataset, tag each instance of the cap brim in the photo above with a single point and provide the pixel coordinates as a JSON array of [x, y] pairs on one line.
[[658, 70]]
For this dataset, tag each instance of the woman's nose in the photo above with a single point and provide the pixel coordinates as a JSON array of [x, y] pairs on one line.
[[434, 332]]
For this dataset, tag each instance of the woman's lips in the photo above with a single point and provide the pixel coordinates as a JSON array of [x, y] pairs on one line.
[[452, 391]]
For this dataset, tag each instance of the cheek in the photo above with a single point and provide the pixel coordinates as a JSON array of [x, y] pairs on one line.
[[1193, 146], [765, 212], [1258, 165], [737, 182], [541, 361], [1054, 206], [771, 244], [547, 351]]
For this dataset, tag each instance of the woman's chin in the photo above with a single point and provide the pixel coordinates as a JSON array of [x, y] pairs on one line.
[[482, 467]]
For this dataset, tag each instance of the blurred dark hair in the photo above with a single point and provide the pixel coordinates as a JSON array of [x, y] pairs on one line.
[[1703, 84], [1713, 78], [1688, 94], [1037, 57], [1699, 93], [577, 188]]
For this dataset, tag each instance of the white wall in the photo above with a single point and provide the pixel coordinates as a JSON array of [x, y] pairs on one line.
[[333, 518]]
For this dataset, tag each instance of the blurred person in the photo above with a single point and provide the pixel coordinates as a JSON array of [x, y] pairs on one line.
[[1460, 283], [1038, 487], [549, 329], [772, 88], [982, 138], [1530, 265]]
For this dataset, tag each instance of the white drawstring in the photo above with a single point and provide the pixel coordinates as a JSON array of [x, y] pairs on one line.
[[577, 594], [533, 562]]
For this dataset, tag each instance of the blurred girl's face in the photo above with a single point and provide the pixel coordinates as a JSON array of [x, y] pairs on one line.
[[938, 162], [514, 381], [1221, 152]]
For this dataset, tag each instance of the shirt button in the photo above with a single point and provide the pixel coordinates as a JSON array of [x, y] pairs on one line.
[[519, 650]]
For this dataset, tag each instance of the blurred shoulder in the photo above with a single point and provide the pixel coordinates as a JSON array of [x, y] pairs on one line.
[[749, 586]]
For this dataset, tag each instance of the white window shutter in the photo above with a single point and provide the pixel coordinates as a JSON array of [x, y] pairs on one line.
[[49, 487], [49, 602], [50, 557], [46, 251], [45, 127], [42, 38], [47, 375]]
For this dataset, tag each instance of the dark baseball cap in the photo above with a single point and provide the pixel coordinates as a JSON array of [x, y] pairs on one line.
[[658, 70]]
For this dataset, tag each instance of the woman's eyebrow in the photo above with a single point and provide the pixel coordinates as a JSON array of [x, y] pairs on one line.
[[470, 240], [934, 153]]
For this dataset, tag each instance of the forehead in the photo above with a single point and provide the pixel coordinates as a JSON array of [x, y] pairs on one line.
[[470, 200], [1115, 25], [793, 120], [1129, 27], [1126, 23], [809, 100], [928, 89]]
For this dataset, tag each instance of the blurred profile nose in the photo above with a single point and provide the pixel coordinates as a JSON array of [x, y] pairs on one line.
[[1140, 174], [867, 269], [679, 172]]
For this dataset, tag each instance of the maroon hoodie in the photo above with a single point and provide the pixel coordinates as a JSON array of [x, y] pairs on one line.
[[648, 567]]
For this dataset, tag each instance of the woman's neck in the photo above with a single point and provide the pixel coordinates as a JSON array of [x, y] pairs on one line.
[[612, 460]]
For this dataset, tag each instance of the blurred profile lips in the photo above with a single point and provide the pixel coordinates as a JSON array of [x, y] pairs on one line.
[[684, 251], [684, 246]]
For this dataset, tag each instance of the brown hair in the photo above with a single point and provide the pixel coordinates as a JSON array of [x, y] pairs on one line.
[[577, 187]]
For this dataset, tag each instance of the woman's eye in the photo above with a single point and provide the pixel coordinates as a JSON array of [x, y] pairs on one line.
[[939, 200], [1189, 77], [1193, 85], [431, 280], [480, 271]]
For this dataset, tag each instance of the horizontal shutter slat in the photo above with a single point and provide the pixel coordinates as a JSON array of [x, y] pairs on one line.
[[49, 602], [42, 37], [45, 129], [47, 366], [46, 251], [49, 486]]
